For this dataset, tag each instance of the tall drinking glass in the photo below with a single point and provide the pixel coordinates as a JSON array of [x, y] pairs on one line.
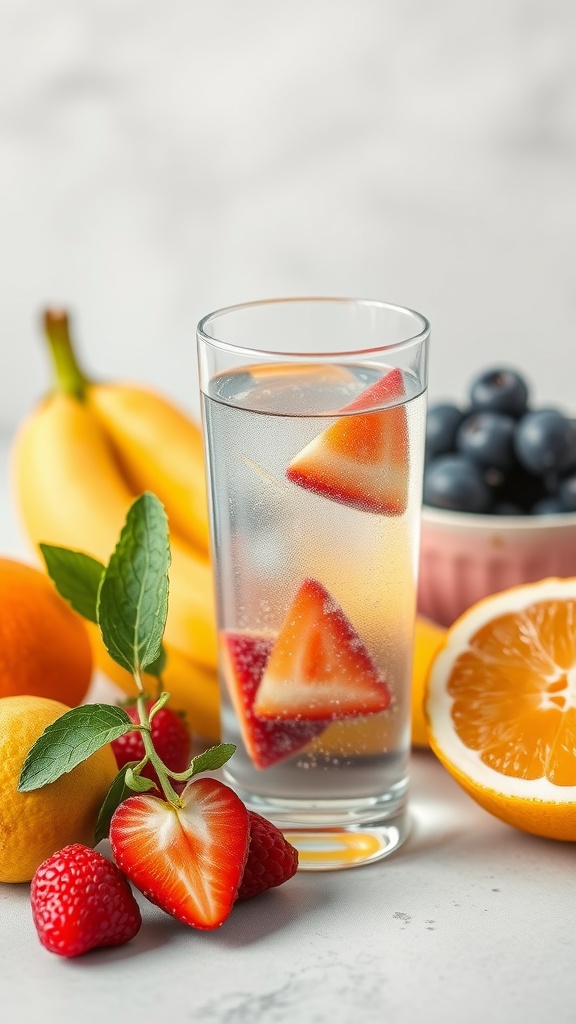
[[313, 414]]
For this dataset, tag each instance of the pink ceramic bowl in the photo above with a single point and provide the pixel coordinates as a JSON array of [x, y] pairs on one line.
[[465, 557]]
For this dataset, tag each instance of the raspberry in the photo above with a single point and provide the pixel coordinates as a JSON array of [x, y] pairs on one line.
[[81, 901], [271, 861], [171, 739]]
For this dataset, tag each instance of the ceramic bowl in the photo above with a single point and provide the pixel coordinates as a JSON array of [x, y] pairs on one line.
[[465, 557]]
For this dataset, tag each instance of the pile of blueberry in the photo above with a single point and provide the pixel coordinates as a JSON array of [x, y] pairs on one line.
[[499, 456]]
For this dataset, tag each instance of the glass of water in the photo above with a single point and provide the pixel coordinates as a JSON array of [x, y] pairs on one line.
[[314, 416]]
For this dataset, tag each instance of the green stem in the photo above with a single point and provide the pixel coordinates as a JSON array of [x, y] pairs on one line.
[[181, 776], [161, 770], [68, 375]]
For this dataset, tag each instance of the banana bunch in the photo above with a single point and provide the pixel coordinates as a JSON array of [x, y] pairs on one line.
[[79, 460]]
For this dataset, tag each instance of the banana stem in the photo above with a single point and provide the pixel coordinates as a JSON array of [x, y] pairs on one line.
[[69, 376]]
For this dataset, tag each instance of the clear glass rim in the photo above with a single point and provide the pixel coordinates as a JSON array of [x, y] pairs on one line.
[[226, 346]]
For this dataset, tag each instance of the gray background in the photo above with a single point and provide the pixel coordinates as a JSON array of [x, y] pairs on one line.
[[158, 160]]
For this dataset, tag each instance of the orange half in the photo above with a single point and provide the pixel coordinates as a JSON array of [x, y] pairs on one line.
[[500, 704]]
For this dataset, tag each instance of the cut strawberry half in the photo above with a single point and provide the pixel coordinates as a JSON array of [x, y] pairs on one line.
[[361, 461], [319, 668], [267, 742], [188, 860]]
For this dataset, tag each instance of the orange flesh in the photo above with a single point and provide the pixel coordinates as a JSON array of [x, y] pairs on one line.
[[514, 693]]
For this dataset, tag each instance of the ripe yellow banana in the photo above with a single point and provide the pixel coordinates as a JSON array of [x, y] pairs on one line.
[[72, 490], [159, 449]]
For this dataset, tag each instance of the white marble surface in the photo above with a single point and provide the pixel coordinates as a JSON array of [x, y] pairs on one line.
[[470, 921]]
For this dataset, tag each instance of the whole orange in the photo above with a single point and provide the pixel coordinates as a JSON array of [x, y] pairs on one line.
[[44, 646]]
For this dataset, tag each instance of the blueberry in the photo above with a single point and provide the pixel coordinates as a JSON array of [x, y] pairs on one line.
[[488, 439], [545, 441], [567, 493], [442, 422], [454, 482], [507, 508], [549, 505], [522, 488], [499, 390]]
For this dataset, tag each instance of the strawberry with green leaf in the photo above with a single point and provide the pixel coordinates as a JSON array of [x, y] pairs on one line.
[[170, 736], [185, 849]]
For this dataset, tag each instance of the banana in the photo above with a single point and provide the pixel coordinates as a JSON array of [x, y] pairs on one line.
[[159, 449], [71, 490]]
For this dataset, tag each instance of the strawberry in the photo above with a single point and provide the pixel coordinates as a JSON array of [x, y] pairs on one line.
[[81, 901], [189, 859], [170, 736], [361, 461], [272, 860], [267, 742], [319, 668]]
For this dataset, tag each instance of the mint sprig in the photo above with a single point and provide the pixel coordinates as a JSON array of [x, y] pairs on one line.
[[76, 577], [133, 594], [118, 792], [209, 760], [72, 738], [128, 599]]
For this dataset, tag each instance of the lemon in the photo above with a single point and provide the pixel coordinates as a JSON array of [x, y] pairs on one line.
[[34, 825], [500, 703]]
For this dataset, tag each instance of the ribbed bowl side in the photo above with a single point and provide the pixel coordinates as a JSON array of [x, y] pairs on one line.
[[461, 563]]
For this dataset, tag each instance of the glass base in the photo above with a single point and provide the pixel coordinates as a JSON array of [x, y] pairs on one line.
[[332, 835], [336, 848]]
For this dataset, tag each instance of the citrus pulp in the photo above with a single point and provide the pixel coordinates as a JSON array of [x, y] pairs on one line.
[[501, 706]]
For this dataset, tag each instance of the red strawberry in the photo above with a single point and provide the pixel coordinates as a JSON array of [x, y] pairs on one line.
[[81, 901], [361, 460], [188, 860], [319, 668], [272, 860], [267, 742], [170, 736]]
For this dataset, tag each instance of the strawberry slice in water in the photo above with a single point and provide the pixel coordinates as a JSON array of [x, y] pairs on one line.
[[188, 860], [267, 742], [361, 460], [319, 668]]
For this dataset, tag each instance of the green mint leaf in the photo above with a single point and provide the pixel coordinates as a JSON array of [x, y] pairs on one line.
[[76, 577], [138, 783], [115, 796], [212, 759], [157, 667], [133, 597], [72, 738]]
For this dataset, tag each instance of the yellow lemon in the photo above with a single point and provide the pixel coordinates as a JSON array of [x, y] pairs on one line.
[[501, 706], [34, 825]]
